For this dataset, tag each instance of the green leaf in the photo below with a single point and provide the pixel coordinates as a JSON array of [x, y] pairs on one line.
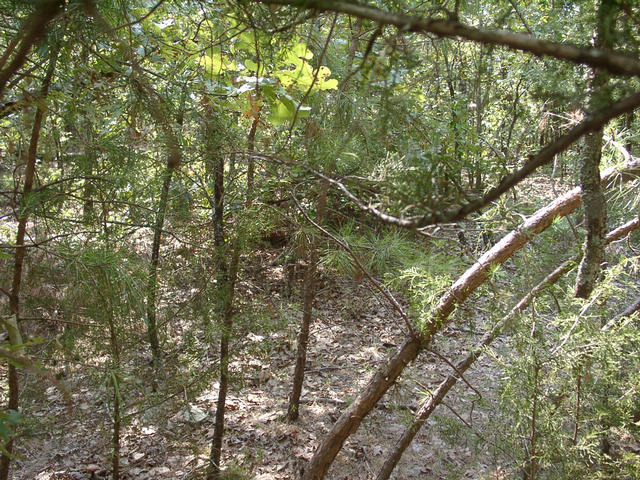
[[300, 50], [281, 114], [285, 111], [245, 42], [251, 65], [216, 63]]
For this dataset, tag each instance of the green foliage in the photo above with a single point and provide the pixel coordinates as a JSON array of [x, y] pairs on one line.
[[380, 253], [425, 279], [581, 383], [409, 124], [9, 421], [108, 289]]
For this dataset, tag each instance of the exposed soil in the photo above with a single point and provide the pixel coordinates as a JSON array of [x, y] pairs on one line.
[[167, 433]]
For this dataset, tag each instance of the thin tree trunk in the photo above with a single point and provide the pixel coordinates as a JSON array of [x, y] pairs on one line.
[[309, 286], [453, 120], [115, 375], [350, 419], [307, 313], [87, 137], [225, 337], [576, 412], [160, 113], [152, 285], [480, 102], [628, 123], [115, 443], [227, 276], [530, 467], [595, 209], [20, 251], [303, 336], [223, 280]]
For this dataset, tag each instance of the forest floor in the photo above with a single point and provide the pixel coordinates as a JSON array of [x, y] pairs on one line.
[[166, 433]]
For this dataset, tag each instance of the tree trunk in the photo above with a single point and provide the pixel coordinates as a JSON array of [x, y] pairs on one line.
[[223, 279], [227, 324], [386, 375], [20, 251], [115, 441], [114, 380], [227, 275], [594, 205], [595, 215], [309, 286], [309, 289], [160, 114], [152, 285]]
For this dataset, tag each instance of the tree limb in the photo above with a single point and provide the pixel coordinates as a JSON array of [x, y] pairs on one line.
[[387, 374], [592, 123], [32, 30], [464, 364], [594, 57]]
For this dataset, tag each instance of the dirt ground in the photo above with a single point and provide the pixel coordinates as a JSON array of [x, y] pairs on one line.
[[166, 433]]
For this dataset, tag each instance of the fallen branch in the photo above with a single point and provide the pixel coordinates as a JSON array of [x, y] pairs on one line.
[[387, 374], [437, 397]]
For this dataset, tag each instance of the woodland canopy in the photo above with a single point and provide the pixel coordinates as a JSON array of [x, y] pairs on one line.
[[319, 239]]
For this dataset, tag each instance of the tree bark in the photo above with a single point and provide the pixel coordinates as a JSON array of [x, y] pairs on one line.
[[309, 295], [594, 205], [227, 292], [224, 278], [595, 215], [227, 275], [350, 419], [152, 284], [20, 251]]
